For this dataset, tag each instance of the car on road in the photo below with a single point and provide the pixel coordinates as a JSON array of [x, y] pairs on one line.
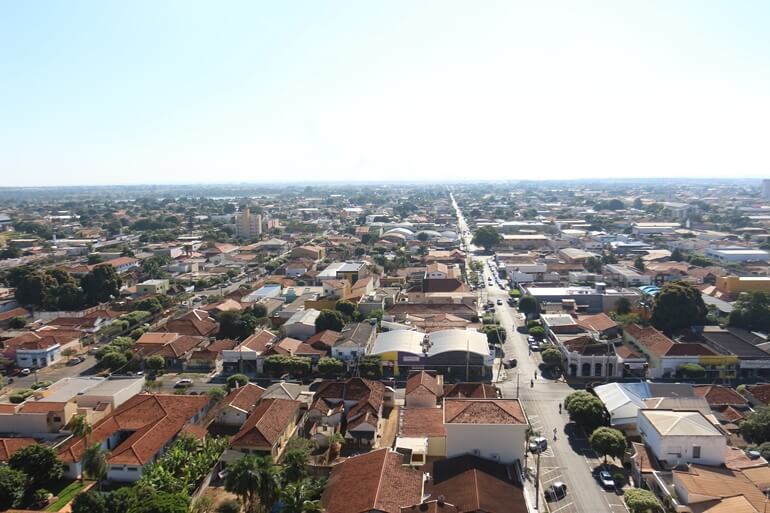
[[538, 444], [510, 363], [500, 302], [183, 383], [605, 478], [75, 360], [555, 492], [534, 346], [25, 372]]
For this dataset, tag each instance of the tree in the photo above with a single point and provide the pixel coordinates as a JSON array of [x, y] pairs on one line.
[[237, 381], [345, 307], [255, 480], [13, 485], [89, 502], [300, 497], [593, 265], [81, 428], [203, 504], [538, 332], [756, 427], [162, 502], [369, 366], [486, 237], [691, 371], [95, 462], [113, 360], [69, 352], [329, 320], [586, 410], [330, 366], [639, 263], [552, 357], [154, 362], [678, 306], [150, 304], [677, 255], [39, 463], [606, 441], [101, 284], [528, 305], [495, 333], [751, 312], [16, 323], [334, 441], [236, 325], [295, 464], [229, 506], [623, 306], [259, 310], [641, 501]]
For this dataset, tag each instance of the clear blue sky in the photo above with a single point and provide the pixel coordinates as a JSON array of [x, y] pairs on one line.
[[162, 92]]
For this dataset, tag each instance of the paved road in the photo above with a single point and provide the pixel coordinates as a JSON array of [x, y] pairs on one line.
[[568, 458]]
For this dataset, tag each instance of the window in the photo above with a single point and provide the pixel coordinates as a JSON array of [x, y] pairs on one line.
[[696, 451], [57, 419]]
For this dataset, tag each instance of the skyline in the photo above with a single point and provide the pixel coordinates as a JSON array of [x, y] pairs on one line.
[[177, 92]]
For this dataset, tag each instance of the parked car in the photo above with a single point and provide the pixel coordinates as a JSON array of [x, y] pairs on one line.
[[538, 444], [75, 360], [605, 478], [555, 492], [183, 383], [25, 372], [534, 346], [500, 302], [531, 339], [510, 363]]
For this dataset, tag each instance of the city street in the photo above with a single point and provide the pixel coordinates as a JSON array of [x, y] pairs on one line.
[[568, 458]]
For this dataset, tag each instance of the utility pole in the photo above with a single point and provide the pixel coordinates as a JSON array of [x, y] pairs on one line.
[[537, 481]]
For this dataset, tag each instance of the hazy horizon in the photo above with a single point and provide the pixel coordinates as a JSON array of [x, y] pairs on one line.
[[179, 92]]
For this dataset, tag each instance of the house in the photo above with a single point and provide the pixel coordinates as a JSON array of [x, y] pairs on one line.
[[310, 251], [9, 446], [471, 391], [471, 489], [682, 436], [33, 417], [665, 356], [423, 389], [238, 404], [421, 434], [353, 341], [349, 271], [624, 400], [195, 323], [267, 430], [382, 484], [153, 287], [38, 353], [8, 315], [248, 356], [324, 339], [136, 433], [175, 349], [705, 489], [493, 429], [293, 347], [353, 406], [301, 325]]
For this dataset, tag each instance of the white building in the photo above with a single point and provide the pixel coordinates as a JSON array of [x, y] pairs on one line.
[[677, 437], [493, 429], [301, 325], [731, 255]]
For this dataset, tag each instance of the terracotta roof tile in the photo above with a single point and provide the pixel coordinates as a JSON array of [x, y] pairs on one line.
[[265, 425], [420, 422], [483, 411], [245, 397], [422, 382], [8, 446], [382, 484], [474, 491], [718, 395]]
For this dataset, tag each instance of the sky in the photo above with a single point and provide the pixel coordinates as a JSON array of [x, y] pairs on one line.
[[157, 91]]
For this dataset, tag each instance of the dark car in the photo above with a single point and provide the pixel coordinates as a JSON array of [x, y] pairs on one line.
[[510, 363], [556, 491]]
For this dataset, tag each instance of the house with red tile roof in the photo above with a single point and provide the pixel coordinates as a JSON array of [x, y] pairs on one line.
[[9, 446], [267, 430], [358, 401], [238, 405], [136, 433], [664, 356], [493, 429], [423, 389], [375, 481], [195, 323], [248, 356]]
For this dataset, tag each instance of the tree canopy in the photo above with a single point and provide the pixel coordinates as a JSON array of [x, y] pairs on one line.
[[552, 357], [528, 305], [678, 306], [101, 284], [586, 410], [329, 320], [487, 237], [641, 501], [756, 426], [751, 312], [256, 481], [39, 463], [606, 441]]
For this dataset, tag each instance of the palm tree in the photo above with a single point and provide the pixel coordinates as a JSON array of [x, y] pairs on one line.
[[255, 479], [80, 427], [294, 462], [94, 463], [298, 498]]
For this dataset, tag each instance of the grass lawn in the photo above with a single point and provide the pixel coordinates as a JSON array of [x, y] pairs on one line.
[[66, 494]]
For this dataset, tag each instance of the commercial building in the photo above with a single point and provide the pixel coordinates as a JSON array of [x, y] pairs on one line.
[[248, 225]]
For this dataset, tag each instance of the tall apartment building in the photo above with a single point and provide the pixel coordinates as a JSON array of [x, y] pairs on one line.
[[765, 189], [248, 225]]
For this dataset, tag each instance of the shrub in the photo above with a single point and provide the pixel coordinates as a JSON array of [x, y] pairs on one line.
[[20, 396], [41, 384], [229, 506], [641, 501]]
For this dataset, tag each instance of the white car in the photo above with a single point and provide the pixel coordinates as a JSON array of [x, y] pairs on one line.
[[183, 383], [606, 479], [25, 372]]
